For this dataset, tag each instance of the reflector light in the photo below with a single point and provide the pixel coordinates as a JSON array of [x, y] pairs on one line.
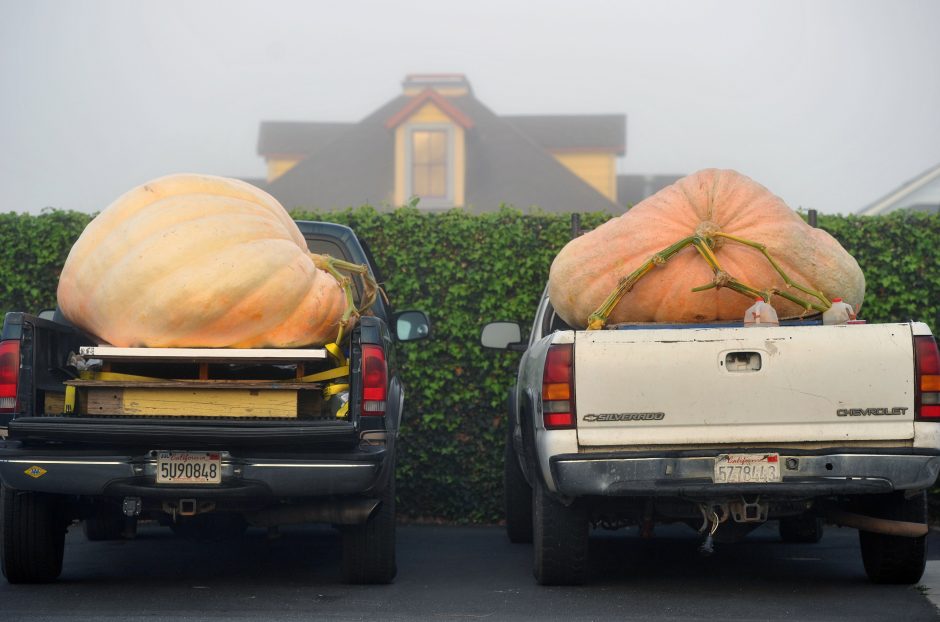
[[9, 374], [558, 389], [927, 358], [374, 380], [559, 420]]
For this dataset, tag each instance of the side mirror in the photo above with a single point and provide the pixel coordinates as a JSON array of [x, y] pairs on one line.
[[412, 325], [502, 336]]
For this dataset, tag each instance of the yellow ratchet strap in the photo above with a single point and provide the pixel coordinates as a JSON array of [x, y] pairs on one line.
[[341, 369], [110, 375], [69, 399], [337, 354], [330, 374]]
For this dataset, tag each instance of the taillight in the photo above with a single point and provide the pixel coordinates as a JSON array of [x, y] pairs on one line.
[[374, 380], [558, 405], [927, 358], [9, 373]]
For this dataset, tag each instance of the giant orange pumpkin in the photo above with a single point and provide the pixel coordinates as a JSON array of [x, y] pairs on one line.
[[198, 261], [589, 267]]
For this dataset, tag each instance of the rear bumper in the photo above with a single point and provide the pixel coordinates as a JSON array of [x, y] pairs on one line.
[[244, 474], [219, 434], [804, 475]]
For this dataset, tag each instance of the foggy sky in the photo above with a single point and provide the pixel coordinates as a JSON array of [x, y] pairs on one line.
[[830, 104]]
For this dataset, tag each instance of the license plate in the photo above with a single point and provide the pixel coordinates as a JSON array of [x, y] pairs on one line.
[[747, 468], [189, 467]]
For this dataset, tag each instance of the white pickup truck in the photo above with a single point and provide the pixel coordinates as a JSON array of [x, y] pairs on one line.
[[724, 428]]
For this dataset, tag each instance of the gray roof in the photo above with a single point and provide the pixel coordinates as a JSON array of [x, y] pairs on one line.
[[631, 189], [258, 182], [607, 132], [504, 165], [921, 194], [357, 169], [297, 137]]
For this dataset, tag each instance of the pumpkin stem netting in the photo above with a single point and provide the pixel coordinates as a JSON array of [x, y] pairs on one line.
[[370, 289], [705, 240]]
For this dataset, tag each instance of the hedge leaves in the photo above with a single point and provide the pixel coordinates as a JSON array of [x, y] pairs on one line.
[[466, 270]]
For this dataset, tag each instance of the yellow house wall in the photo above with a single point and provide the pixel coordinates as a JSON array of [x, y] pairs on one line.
[[598, 169], [279, 166], [430, 114]]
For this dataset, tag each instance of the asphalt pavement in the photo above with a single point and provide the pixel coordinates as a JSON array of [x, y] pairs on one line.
[[464, 573]]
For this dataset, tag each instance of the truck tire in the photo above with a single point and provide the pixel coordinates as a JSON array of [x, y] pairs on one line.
[[805, 529], [895, 559], [518, 500], [560, 538], [33, 536], [369, 549]]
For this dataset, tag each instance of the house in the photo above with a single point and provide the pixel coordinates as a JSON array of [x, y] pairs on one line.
[[921, 194], [438, 142]]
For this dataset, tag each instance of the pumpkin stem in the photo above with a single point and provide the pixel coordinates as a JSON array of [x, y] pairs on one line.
[[598, 319], [704, 243], [370, 288], [807, 306]]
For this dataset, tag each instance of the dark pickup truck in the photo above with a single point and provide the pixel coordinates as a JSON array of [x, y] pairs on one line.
[[205, 441]]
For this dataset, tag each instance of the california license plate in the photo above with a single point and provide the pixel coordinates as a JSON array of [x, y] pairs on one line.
[[747, 468], [189, 467]]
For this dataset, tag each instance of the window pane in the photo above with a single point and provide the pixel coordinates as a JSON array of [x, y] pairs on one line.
[[429, 165], [419, 182], [420, 152], [438, 146], [438, 181]]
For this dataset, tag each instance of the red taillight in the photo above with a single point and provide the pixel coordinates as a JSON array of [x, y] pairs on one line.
[[9, 373], [374, 380], [927, 358], [558, 406]]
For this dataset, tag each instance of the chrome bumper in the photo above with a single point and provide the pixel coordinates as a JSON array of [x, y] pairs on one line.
[[579, 475]]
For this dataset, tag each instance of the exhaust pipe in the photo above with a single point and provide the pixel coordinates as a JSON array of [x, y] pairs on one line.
[[884, 526], [337, 512]]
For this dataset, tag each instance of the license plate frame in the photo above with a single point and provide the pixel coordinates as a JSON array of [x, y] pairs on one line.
[[188, 468], [761, 468]]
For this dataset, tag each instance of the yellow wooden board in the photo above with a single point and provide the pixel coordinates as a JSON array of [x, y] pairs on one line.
[[193, 402]]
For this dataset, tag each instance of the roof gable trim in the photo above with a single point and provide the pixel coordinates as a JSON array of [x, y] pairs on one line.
[[419, 100]]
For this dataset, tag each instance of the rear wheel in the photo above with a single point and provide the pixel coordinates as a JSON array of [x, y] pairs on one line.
[[518, 495], [895, 559], [33, 528], [369, 549], [560, 538], [805, 529]]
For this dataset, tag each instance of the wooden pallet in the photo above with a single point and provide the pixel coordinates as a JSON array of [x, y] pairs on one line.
[[122, 395]]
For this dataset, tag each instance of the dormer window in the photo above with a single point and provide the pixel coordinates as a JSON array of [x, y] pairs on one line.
[[430, 149], [430, 165]]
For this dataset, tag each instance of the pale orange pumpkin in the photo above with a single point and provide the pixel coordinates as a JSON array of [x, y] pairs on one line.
[[589, 267], [198, 261]]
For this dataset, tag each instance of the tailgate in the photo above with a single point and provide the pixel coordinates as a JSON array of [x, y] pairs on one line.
[[744, 385]]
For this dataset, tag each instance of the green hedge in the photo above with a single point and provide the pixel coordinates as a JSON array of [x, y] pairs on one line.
[[465, 270]]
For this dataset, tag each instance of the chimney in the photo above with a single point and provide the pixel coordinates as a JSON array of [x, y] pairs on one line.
[[447, 84]]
